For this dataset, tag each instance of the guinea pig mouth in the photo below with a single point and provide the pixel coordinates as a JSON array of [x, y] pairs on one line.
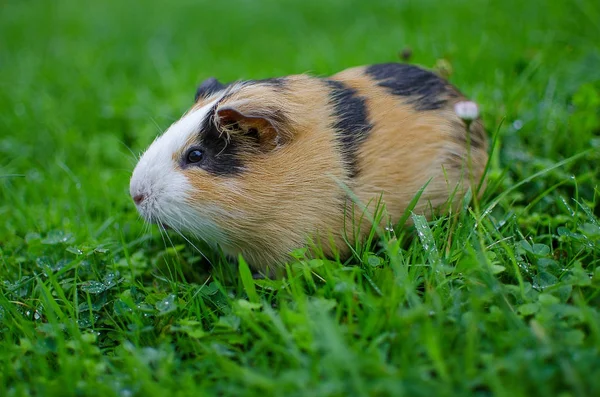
[[165, 226]]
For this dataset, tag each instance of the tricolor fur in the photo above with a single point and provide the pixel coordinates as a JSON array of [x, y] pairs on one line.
[[281, 156]]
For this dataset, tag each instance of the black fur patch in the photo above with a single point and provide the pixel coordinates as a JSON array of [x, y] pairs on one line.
[[428, 90], [277, 82], [209, 87], [352, 123], [220, 156]]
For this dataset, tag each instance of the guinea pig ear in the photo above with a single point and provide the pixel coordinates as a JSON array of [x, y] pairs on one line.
[[267, 128], [208, 87]]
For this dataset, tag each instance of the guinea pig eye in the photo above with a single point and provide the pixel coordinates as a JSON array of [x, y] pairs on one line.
[[193, 156]]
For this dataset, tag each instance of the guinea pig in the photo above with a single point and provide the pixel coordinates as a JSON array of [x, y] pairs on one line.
[[262, 167]]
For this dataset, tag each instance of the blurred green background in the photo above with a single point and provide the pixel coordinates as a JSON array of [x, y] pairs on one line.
[[85, 82]]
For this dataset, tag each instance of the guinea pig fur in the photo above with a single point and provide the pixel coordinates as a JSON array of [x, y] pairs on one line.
[[261, 167]]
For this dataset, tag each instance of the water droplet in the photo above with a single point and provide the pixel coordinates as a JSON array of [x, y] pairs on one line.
[[93, 287], [166, 305], [120, 308], [427, 240], [111, 279], [60, 264], [75, 250], [517, 124], [45, 263], [57, 237], [34, 175], [126, 393], [145, 307], [84, 322]]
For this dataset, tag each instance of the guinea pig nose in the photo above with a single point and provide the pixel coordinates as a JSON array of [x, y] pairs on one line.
[[138, 198]]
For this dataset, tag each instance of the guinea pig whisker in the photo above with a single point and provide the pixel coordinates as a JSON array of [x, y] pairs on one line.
[[194, 246], [136, 157], [164, 217], [146, 229], [170, 241], [162, 235], [158, 127]]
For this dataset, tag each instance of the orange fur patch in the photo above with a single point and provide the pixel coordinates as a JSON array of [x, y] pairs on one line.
[[298, 188]]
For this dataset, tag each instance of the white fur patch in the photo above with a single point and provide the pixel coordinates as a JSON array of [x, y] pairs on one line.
[[158, 178]]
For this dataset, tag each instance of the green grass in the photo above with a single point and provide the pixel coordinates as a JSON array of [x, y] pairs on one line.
[[499, 299]]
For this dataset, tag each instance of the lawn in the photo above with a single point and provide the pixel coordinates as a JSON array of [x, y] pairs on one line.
[[501, 298]]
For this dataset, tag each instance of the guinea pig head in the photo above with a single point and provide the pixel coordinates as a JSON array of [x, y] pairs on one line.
[[196, 175]]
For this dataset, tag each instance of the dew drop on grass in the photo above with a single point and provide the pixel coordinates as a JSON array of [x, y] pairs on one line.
[[57, 237], [166, 305], [44, 263], [61, 264], [111, 279], [84, 322], [47, 264], [121, 308], [100, 251], [90, 336], [126, 393], [93, 287], [145, 308], [544, 280], [517, 125], [74, 250], [426, 237]]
